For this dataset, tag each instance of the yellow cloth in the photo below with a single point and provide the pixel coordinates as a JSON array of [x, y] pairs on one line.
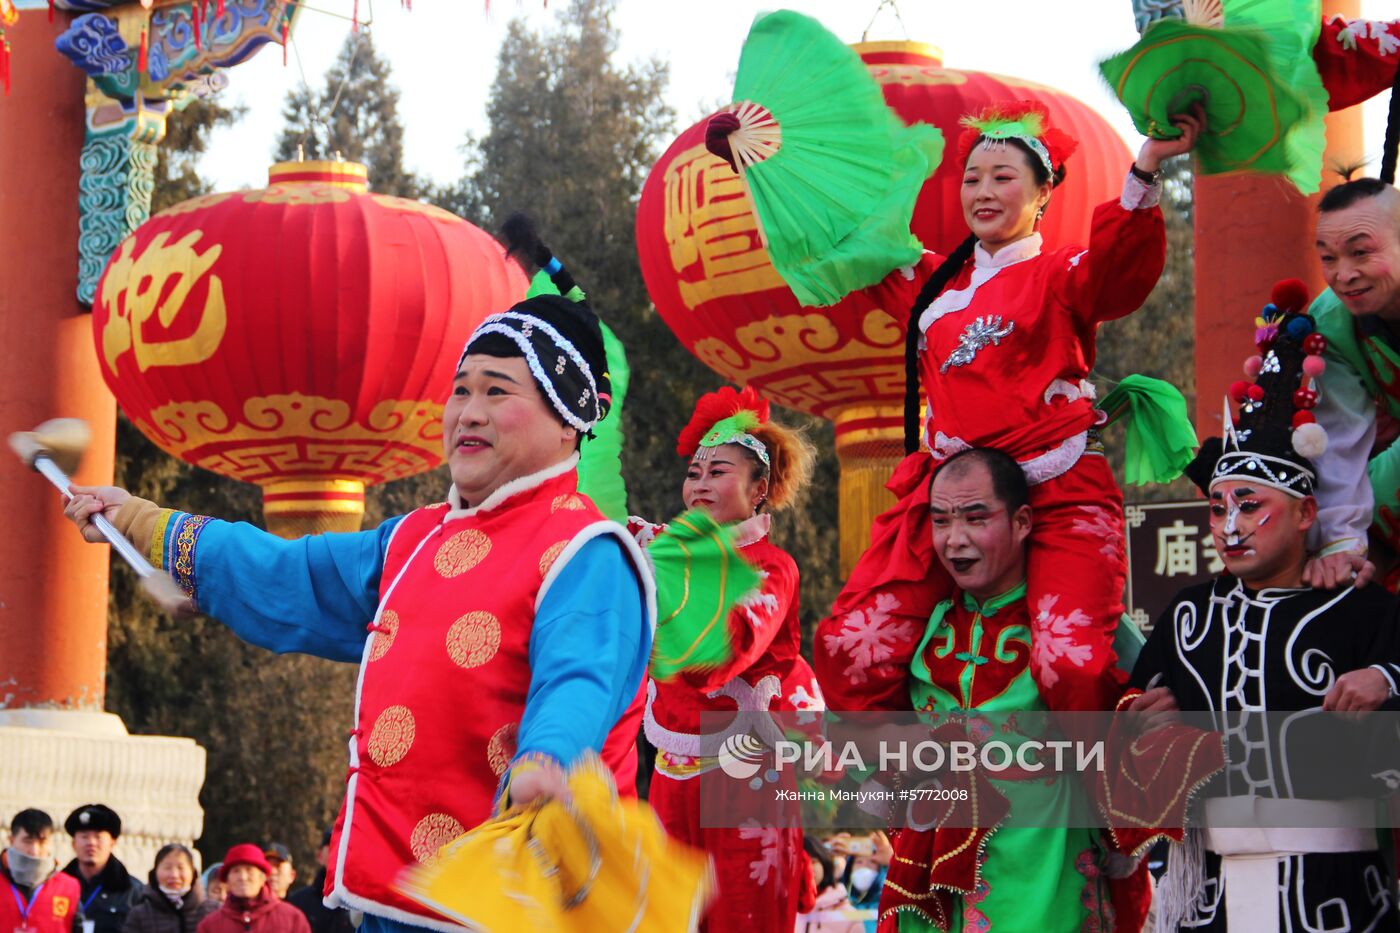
[[595, 862]]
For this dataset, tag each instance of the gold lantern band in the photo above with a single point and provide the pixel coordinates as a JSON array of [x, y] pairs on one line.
[[350, 175], [293, 508], [869, 445]]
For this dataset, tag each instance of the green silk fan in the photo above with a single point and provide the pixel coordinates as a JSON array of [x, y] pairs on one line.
[[832, 172], [1249, 63]]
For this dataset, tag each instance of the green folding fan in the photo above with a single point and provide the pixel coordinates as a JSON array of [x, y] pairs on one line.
[[832, 172], [1249, 63]]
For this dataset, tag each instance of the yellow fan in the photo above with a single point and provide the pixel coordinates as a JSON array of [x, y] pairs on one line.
[[595, 862]]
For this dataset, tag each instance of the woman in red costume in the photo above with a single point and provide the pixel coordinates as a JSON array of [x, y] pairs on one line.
[[741, 468], [1001, 339]]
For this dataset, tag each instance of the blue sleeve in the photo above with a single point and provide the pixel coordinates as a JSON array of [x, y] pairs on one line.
[[588, 651], [314, 595]]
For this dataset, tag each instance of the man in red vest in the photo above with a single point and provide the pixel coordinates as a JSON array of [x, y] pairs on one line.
[[39, 898], [502, 632]]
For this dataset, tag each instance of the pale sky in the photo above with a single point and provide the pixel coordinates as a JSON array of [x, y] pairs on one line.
[[443, 55]]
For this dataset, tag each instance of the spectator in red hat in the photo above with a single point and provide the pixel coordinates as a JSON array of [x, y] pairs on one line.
[[250, 905]]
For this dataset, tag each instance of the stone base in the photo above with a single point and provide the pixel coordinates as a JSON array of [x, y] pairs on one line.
[[58, 760]]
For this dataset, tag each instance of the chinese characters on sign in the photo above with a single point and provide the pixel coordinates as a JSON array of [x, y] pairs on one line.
[[1169, 548]]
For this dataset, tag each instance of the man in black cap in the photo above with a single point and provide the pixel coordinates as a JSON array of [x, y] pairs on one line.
[[283, 871], [310, 899], [502, 634], [108, 892]]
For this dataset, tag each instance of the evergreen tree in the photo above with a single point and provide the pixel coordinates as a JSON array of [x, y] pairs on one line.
[[356, 115], [573, 135], [1159, 339], [186, 139]]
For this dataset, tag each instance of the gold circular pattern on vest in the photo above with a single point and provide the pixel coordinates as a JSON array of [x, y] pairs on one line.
[[432, 833], [473, 639], [567, 502], [392, 736], [462, 552], [501, 749], [550, 556], [384, 636]]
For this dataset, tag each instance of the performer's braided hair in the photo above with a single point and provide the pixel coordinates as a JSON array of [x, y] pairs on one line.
[[931, 290], [1392, 133]]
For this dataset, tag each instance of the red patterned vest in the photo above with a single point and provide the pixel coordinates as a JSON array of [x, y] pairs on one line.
[[444, 678]]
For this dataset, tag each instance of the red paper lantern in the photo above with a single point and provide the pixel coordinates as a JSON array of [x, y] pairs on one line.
[[711, 280], [301, 336]]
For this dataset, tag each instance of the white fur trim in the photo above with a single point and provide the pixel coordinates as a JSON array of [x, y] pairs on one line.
[[1055, 462], [986, 266], [1071, 391], [752, 530], [506, 490], [1138, 195], [343, 898], [944, 446], [751, 701], [630, 546]]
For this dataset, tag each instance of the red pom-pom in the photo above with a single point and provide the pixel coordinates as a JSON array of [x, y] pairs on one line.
[[1255, 393], [713, 408], [1254, 366], [1304, 399], [1314, 344], [1239, 390], [1289, 296], [1303, 417]]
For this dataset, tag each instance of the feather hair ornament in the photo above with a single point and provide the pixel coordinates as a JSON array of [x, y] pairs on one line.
[[733, 411], [1026, 120]]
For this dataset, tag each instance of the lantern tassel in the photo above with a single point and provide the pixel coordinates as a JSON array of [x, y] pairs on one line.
[[219, 8], [143, 56], [5, 64], [355, 18], [51, 11], [284, 42], [197, 18]]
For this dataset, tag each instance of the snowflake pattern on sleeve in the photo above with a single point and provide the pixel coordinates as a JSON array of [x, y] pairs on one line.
[[1055, 637], [867, 637]]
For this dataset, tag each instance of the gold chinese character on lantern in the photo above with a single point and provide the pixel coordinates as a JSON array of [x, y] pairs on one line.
[[156, 284], [711, 230]]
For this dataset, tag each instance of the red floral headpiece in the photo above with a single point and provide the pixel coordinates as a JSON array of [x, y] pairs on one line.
[[714, 407], [1026, 120]]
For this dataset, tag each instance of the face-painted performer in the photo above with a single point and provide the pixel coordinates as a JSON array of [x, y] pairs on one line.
[[975, 656], [741, 468], [509, 626], [1257, 639]]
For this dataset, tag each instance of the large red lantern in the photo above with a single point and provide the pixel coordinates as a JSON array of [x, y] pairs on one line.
[[711, 280], [301, 337]]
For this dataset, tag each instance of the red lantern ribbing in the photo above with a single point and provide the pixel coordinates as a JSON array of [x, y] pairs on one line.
[[301, 336]]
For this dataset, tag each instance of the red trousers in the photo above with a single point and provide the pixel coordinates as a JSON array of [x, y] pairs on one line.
[[760, 871]]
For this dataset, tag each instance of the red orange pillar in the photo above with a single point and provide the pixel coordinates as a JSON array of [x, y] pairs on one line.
[[53, 587], [1251, 231]]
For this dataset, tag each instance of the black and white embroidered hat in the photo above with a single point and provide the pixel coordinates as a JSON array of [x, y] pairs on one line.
[[558, 335]]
